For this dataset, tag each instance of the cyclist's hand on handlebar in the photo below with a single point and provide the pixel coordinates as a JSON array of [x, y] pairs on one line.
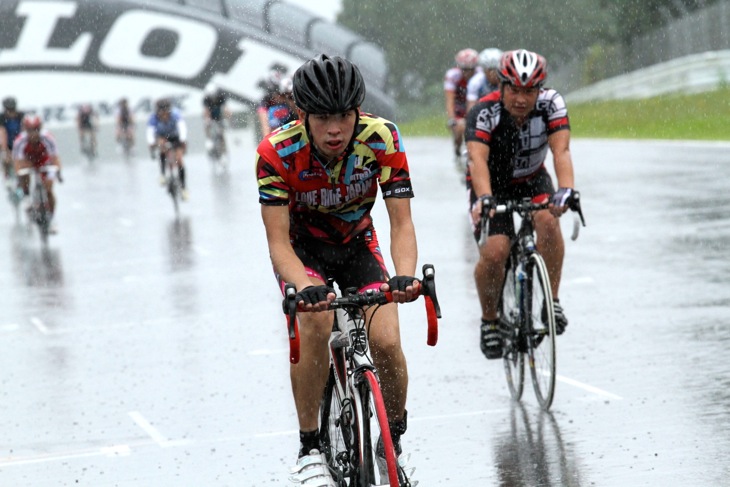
[[561, 201], [315, 298], [485, 204], [402, 288]]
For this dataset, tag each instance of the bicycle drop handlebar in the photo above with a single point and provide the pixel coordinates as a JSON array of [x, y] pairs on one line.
[[526, 206], [360, 300]]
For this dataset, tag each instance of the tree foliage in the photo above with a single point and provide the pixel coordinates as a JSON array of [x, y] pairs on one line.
[[421, 37]]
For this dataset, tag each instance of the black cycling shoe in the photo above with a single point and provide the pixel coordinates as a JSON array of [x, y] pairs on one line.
[[561, 322], [491, 341]]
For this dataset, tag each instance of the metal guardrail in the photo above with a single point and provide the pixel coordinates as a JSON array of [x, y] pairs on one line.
[[694, 73]]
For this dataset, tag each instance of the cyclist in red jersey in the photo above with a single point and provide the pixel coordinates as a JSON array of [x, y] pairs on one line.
[[455, 83], [36, 149], [318, 179], [508, 135]]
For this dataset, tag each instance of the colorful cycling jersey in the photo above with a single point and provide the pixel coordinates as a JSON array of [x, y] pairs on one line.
[[478, 86], [516, 152], [214, 104], [38, 153], [455, 81], [13, 126], [332, 202], [280, 115], [172, 128]]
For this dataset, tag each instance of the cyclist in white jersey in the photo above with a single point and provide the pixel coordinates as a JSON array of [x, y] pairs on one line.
[[508, 134], [455, 81], [486, 80]]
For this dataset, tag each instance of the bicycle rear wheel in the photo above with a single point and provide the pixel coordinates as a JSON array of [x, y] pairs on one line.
[[336, 436], [514, 357], [541, 326], [374, 429]]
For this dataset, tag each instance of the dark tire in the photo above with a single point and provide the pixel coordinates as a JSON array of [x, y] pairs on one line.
[[373, 425], [336, 435], [541, 335], [514, 356]]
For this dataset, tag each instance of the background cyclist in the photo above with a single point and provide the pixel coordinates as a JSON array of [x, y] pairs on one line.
[[508, 135], [11, 124], [35, 148], [86, 122], [455, 82], [214, 111], [124, 122], [282, 109], [317, 184], [486, 80], [167, 125]]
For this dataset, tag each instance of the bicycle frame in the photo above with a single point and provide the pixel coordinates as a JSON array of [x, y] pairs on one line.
[[354, 383]]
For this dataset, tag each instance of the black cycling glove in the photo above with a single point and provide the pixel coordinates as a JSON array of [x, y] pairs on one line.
[[400, 283], [562, 197], [314, 294]]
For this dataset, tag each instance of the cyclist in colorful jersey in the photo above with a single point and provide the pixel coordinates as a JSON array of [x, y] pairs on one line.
[[11, 124], [86, 122], [124, 122], [318, 180], [283, 110], [486, 80], [214, 111], [35, 148], [508, 135], [167, 125], [455, 82]]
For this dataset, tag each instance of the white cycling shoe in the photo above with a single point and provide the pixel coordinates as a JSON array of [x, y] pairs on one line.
[[312, 471]]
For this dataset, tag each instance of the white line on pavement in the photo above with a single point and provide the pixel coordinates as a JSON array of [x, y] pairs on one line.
[[153, 432], [40, 325], [587, 387]]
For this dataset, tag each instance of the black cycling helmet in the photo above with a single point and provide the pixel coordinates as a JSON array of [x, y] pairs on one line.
[[9, 103], [163, 105], [328, 85]]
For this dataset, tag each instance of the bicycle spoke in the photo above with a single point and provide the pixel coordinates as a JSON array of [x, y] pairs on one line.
[[541, 339], [514, 361]]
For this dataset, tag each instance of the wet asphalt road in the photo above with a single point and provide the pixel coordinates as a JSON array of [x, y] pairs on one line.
[[141, 350]]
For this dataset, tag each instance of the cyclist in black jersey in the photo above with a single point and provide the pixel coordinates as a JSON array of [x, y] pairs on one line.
[[214, 112], [86, 122], [508, 135], [125, 122], [11, 124]]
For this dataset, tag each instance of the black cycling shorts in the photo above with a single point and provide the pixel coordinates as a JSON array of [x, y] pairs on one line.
[[358, 263], [538, 188]]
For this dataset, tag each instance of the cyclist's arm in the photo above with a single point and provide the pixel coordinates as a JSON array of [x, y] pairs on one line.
[[3, 138], [403, 246], [450, 99], [285, 261], [264, 122], [559, 143], [480, 178], [151, 135], [182, 130]]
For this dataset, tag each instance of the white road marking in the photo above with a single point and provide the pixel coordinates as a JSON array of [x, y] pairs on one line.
[[40, 325], [153, 432], [585, 387], [9, 327]]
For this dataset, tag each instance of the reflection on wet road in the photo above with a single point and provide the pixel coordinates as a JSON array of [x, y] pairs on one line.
[[142, 349]]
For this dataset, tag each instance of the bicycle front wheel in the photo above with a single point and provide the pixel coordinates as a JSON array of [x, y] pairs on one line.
[[541, 330], [514, 357], [378, 464], [336, 435]]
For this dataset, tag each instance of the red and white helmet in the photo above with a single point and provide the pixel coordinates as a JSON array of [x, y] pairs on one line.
[[467, 59], [32, 122], [522, 68]]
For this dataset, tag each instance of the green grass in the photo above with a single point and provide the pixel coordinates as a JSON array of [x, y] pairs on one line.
[[702, 116]]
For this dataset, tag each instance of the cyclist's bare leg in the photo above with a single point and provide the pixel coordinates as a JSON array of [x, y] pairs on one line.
[[489, 273], [390, 360], [23, 180], [458, 135], [551, 246], [309, 376], [179, 152], [48, 184]]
